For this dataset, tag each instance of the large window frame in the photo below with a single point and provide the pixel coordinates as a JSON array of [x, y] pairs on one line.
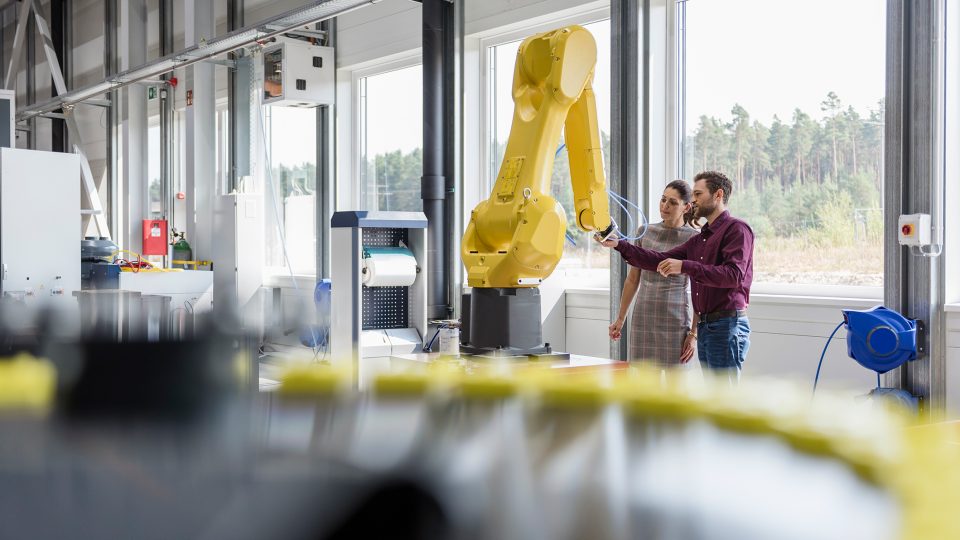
[[679, 98], [357, 125], [951, 192], [488, 40], [273, 271], [487, 169]]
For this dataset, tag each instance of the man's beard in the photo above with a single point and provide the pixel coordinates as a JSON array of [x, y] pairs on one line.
[[701, 211]]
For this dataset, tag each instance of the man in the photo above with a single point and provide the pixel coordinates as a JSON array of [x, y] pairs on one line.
[[719, 262]]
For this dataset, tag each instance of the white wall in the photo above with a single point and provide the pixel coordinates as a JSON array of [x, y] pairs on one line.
[[953, 357], [788, 335]]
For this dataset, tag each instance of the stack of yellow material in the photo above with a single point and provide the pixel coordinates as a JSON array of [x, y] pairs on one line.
[[538, 455]]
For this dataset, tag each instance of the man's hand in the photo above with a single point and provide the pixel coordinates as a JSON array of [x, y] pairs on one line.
[[669, 267], [689, 345], [611, 241], [615, 329]]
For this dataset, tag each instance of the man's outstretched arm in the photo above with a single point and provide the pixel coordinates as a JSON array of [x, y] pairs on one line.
[[647, 259]]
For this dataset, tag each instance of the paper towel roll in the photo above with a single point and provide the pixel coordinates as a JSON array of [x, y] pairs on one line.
[[389, 267]]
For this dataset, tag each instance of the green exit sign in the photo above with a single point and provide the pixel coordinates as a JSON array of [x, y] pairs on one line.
[[152, 92]]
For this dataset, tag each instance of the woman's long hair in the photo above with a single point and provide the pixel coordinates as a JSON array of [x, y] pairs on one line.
[[686, 195]]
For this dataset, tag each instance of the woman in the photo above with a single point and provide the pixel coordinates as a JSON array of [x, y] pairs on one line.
[[663, 329]]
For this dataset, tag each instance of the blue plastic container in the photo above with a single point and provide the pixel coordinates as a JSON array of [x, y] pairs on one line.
[[315, 335]]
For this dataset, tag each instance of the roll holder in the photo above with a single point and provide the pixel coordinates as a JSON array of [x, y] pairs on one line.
[[375, 322]]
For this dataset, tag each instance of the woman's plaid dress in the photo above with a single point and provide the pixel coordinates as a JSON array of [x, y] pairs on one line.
[[662, 311]]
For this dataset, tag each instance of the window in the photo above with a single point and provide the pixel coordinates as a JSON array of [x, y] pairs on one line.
[[789, 105], [582, 257], [154, 189], [177, 169], [391, 140], [293, 159], [952, 166]]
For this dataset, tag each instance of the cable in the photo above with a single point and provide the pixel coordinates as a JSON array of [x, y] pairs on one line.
[[878, 380], [429, 346], [819, 365], [617, 199], [135, 267]]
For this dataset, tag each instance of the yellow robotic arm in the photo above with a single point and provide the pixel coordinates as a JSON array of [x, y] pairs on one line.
[[515, 238]]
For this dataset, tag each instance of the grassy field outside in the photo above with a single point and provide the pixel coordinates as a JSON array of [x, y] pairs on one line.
[[802, 259]]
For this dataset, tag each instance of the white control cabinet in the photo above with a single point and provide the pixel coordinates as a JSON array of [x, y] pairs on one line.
[[298, 74], [914, 230]]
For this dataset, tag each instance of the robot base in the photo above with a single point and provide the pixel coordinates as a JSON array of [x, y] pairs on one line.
[[503, 323]]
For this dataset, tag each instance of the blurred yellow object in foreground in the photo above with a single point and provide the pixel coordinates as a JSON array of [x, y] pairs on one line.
[[26, 383], [917, 469]]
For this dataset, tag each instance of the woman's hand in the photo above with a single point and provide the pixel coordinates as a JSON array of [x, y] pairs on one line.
[[689, 346], [615, 329]]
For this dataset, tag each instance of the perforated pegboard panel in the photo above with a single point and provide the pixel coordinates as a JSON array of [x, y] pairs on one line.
[[381, 237], [384, 307]]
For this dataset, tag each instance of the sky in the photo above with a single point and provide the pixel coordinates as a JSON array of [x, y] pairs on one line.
[[397, 99], [772, 56], [294, 134]]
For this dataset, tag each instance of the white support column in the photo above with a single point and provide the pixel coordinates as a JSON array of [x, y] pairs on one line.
[[132, 45], [200, 150]]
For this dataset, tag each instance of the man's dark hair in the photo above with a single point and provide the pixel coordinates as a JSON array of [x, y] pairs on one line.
[[716, 180]]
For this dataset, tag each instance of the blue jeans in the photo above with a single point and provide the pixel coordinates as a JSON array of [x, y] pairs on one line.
[[723, 344]]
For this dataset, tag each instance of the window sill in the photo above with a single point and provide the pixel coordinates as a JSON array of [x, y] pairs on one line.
[[826, 301], [842, 292], [303, 281], [829, 301]]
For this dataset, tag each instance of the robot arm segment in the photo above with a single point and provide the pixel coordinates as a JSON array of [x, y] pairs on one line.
[[515, 237], [582, 135]]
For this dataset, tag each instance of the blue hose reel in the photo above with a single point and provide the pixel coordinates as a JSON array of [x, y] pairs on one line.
[[881, 339]]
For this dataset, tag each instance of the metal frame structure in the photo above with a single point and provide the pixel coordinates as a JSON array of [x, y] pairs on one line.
[[454, 165], [913, 183], [61, 36], [110, 66], [204, 50], [235, 17], [27, 11], [326, 194], [629, 100], [165, 8], [200, 123]]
